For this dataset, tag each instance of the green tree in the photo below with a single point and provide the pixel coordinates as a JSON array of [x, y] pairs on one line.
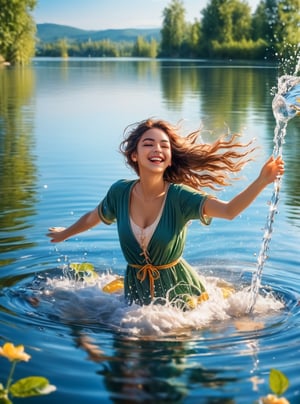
[[63, 46], [289, 17], [192, 40], [17, 30], [260, 23], [278, 21], [153, 48], [143, 48], [224, 21], [173, 31], [241, 20], [212, 24]]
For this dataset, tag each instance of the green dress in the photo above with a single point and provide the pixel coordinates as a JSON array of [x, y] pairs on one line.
[[162, 275]]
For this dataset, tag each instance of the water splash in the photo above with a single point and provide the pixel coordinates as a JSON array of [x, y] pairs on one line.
[[61, 297], [285, 105]]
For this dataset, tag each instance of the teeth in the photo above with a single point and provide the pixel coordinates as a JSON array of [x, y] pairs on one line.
[[156, 159]]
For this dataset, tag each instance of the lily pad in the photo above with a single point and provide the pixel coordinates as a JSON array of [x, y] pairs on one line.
[[278, 382], [31, 386]]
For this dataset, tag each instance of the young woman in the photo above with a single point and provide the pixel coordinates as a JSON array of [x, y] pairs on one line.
[[152, 211]]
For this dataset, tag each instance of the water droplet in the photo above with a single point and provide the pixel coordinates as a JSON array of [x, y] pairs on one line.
[[285, 105]]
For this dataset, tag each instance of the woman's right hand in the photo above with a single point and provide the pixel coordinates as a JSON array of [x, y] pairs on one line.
[[57, 234], [88, 220]]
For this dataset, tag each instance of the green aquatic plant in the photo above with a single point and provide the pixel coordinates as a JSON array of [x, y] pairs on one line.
[[83, 271], [278, 384], [26, 387]]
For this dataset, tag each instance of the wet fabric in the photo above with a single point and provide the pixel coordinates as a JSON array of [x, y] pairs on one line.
[[177, 282]]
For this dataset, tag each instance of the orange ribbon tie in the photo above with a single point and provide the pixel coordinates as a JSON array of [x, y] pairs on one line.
[[152, 272]]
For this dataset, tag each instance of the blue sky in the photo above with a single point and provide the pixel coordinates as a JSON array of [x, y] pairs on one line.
[[103, 14]]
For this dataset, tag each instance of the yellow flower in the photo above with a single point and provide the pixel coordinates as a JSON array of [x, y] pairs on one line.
[[14, 353], [271, 399]]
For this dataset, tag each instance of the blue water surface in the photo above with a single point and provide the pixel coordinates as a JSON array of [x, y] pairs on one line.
[[61, 123]]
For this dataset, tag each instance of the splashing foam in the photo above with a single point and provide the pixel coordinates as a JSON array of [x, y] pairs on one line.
[[86, 304]]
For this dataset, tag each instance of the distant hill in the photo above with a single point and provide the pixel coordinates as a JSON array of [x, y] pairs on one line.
[[52, 32]]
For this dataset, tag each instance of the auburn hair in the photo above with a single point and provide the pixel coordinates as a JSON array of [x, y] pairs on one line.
[[194, 163]]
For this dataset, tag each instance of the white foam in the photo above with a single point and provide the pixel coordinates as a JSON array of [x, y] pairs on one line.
[[86, 303]]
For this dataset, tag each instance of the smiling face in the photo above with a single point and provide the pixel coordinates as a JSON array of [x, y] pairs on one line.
[[153, 151]]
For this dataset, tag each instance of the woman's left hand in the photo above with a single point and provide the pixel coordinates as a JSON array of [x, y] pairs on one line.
[[272, 169]]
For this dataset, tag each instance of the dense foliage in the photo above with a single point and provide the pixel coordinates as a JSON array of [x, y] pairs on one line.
[[17, 31], [225, 29], [101, 48]]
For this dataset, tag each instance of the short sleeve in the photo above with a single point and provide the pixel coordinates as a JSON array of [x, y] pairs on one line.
[[106, 215], [107, 207], [206, 220], [192, 203]]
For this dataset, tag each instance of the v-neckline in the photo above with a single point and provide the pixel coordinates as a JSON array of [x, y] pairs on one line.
[[158, 218]]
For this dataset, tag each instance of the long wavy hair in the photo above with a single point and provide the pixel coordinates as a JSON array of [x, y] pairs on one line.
[[196, 164]]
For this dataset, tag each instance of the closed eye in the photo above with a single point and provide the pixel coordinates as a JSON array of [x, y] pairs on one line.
[[150, 143]]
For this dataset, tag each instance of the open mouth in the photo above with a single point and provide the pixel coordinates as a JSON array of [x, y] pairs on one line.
[[156, 159]]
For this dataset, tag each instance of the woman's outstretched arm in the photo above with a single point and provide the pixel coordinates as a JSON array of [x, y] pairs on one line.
[[229, 210], [90, 219]]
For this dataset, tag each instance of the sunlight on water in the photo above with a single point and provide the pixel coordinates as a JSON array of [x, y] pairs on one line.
[[65, 158], [285, 105]]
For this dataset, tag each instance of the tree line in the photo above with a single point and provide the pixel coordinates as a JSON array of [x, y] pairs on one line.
[[225, 29]]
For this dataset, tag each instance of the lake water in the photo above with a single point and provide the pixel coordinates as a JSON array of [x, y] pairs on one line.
[[61, 122]]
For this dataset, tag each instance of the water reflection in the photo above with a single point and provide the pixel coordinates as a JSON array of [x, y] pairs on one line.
[[292, 180], [18, 171], [234, 92], [154, 371], [76, 145], [176, 81]]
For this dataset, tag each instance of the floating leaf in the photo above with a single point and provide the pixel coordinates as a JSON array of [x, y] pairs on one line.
[[278, 382], [82, 267], [31, 386], [84, 271]]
